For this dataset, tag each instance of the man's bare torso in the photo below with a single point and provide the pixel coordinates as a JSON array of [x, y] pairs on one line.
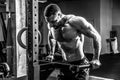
[[69, 40]]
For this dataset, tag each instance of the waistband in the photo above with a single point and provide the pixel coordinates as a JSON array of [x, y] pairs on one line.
[[79, 62]]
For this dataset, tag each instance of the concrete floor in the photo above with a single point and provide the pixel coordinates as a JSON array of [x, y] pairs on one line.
[[110, 67]]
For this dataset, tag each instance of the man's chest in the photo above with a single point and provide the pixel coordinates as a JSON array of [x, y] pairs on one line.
[[64, 33]]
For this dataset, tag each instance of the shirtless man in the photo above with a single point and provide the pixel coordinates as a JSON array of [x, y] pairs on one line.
[[68, 32]]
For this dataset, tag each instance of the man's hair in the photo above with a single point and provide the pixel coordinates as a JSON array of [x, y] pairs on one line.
[[51, 9]]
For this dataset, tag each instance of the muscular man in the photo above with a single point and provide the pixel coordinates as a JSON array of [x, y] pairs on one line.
[[68, 32]]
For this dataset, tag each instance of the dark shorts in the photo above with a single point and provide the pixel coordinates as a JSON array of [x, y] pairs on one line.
[[75, 73]]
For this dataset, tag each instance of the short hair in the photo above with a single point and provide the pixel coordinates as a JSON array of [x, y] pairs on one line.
[[51, 9]]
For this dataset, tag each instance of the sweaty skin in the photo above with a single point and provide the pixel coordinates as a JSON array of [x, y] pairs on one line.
[[69, 36], [68, 32], [69, 41]]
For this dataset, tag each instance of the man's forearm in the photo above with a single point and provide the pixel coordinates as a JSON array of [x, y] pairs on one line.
[[97, 47], [52, 44]]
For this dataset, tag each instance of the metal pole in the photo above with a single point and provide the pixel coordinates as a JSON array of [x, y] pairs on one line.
[[35, 41], [29, 24], [32, 50]]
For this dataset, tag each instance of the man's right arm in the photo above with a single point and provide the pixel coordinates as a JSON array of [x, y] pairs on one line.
[[51, 40], [52, 43]]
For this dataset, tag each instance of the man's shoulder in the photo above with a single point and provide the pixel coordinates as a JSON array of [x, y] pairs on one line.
[[69, 16], [73, 18]]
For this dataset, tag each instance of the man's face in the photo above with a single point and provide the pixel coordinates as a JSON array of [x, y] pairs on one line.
[[53, 19]]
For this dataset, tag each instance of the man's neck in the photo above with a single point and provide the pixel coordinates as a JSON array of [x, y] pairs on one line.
[[62, 16]]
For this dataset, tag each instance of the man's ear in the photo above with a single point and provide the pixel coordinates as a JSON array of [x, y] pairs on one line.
[[59, 13]]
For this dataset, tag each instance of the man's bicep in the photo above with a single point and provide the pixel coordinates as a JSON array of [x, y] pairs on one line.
[[87, 28], [79, 23], [51, 42], [49, 36], [83, 26], [90, 31]]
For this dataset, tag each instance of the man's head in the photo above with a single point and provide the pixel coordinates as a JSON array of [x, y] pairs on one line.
[[52, 13]]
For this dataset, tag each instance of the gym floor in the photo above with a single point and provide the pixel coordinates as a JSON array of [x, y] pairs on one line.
[[110, 66]]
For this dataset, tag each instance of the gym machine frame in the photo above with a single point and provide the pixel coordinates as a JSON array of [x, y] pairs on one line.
[[32, 41]]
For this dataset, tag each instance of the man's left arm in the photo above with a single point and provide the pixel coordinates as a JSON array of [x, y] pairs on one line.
[[97, 46], [84, 27]]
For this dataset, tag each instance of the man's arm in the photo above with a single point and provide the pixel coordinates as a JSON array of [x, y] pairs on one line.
[[62, 52], [51, 43], [90, 31], [84, 27]]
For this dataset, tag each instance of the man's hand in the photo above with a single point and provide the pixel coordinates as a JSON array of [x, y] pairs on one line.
[[50, 58], [95, 63]]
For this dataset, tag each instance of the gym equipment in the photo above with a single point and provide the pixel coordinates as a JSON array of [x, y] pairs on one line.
[[46, 67], [3, 27], [44, 63], [5, 69], [20, 40]]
